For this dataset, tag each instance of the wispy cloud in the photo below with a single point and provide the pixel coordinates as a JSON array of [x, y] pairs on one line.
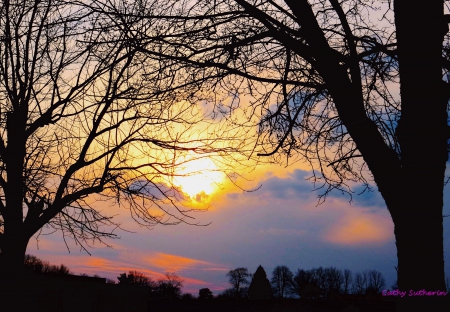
[[173, 263]]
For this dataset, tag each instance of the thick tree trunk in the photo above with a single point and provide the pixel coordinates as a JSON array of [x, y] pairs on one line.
[[419, 239], [13, 283], [417, 213]]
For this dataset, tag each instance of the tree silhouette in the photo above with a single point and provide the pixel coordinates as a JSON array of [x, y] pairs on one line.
[[87, 117], [347, 281], [187, 296], [205, 293], [135, 278], [323, 81], [169, 287], [327, 280], [368, 281], [259, 288], [376, 281], [237, 278], [36, 265], [360, 283], [302, 280], [282, 281]]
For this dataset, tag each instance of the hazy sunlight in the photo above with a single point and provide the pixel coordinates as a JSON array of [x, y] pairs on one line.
[[201, 177]]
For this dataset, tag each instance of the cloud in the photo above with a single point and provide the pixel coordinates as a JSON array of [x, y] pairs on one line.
[[173, 263], [282, 232], [360, 227], [295, 185], [98, 262], [361, 196]]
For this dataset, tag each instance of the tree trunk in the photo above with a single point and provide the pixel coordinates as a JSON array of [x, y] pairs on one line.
[[417, 214], [13, 283]]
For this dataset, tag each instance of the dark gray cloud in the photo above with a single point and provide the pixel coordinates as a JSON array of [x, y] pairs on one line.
[[295, 185], [298, 185], [361, 195]]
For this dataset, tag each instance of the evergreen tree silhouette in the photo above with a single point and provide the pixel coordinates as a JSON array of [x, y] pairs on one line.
[[260, 286]]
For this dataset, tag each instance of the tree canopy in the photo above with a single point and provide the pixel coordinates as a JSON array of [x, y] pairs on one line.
[[357, 89], [238, 279], [88, 119], [85, 112]]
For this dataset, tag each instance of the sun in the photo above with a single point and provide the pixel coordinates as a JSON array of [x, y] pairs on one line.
[[200, 177]]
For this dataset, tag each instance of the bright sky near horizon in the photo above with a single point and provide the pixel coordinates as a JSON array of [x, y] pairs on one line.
[[278, 224]]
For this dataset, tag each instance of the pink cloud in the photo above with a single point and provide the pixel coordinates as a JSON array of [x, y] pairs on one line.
[[360, 228]]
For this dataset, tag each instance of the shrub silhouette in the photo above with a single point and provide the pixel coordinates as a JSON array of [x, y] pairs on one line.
[[205, 293]]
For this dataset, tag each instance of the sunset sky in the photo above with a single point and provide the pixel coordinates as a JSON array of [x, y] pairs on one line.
[[110, 110], [278, 224]]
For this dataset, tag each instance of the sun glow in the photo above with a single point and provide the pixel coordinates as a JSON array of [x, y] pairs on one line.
[[199, 178]]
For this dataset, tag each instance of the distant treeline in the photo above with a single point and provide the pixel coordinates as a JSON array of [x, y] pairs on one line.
[[36, 265], [313, 284], [168, 287], [310, 284]]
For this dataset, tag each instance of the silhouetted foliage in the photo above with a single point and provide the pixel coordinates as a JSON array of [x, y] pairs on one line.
[[169, 287], [165, 288], [187, 296], [302, 280], [205, 293], [110, 281], [327, 280], [135, 278], [305, 285], [282, 282], [334, 280], [239, 278], [259, 288], [229, 293], [36, 265]]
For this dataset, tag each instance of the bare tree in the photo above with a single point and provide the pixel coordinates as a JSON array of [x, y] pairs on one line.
[[376, 281], [323, 77], [335, 279], [282, 281], [86, 117], [238, 278], [169, 287], [302, 279], [368, 281], [360, 283], [348, 279]]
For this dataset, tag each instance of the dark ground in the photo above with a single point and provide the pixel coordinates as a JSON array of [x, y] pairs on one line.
[[287, 305], [62, 295]]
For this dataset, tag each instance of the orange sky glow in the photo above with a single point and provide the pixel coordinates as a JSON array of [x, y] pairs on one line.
[[268, 216]]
